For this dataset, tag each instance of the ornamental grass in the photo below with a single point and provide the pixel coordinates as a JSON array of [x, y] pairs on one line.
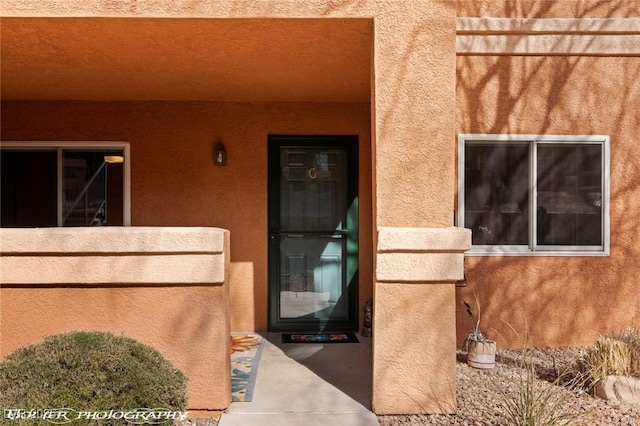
[[538, 402], [615, 354]]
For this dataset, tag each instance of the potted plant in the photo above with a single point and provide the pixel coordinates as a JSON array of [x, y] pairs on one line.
[[481, 352]]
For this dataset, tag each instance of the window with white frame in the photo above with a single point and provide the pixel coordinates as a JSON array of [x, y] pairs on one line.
[[47, 184], [533, 194]]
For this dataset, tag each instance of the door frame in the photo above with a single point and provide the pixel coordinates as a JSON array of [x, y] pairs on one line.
[[274, 144]]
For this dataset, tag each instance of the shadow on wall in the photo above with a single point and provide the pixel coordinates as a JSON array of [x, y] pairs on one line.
[[549, 9], [556, 301]]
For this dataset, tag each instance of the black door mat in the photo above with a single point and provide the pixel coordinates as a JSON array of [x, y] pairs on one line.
[[319, 338]]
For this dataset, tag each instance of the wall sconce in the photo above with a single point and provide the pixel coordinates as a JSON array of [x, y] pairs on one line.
[[220, 155]]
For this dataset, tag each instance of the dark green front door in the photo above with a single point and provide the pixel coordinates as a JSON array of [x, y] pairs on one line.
[[313, 233]]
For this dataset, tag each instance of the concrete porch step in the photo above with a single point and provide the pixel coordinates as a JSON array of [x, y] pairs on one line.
[[297, 419], [310, 385]]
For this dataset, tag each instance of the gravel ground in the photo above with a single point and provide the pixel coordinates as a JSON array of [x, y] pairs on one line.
[[481, 393], [200, 422]]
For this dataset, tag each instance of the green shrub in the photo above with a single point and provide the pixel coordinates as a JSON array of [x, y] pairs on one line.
[[90, 371], [614, 354]]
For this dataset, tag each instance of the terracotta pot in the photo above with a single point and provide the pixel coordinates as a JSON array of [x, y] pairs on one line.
[[482, 354]]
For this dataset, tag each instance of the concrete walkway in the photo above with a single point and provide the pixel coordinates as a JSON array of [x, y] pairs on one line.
[[310, 385]]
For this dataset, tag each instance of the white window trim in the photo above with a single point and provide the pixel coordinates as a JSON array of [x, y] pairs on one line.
[[533, 140], [60, 145]]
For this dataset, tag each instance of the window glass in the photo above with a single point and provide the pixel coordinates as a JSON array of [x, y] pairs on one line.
[[28, 188], [92, 188], [564, 177], [91, 179], [496, 194], [569, 196]]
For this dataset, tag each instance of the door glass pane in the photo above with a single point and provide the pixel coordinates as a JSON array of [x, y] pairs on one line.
[[313, 190], [569, 194], [497, 194], [312, 277], [312, 235], [29, 188], [92, 188]]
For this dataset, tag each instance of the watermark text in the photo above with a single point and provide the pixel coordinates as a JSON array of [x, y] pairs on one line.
[[67, 415]]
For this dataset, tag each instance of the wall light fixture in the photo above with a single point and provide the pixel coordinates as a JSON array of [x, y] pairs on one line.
[[220, 155]]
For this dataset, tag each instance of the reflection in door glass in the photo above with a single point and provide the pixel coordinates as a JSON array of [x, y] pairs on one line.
[[313, 191], [312, 277], [313, 228], [313, 196]]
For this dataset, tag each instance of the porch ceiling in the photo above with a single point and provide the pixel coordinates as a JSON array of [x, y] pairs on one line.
[[186, 59]]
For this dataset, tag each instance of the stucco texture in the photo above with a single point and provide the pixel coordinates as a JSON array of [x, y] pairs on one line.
[[174, 320], [116, 289], [549, 9], [563, 300], [174, 181], [406, 165], [413, 363], [106, 58], [414, 93], [414, 345]]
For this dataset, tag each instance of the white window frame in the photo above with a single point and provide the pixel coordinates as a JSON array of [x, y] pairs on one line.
[[59, 146], [533, 249]]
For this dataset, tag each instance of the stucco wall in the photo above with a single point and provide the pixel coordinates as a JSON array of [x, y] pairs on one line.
[[165, 287], [414, 82], [174, 181], [549, 9], [415, 331], [410, 167], [558, 300]]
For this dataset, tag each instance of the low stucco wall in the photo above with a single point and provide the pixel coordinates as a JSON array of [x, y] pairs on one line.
[[165, 287]]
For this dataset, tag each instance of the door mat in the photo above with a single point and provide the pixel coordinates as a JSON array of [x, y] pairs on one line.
[[246, 349], [320, 338]]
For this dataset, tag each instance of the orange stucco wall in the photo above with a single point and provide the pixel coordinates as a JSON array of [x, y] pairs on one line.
[[558, 300], [171, 319], [549, 9], [414, 82], [407, 162], [414, 101], [174, 181], [144, 283], [406, 165]]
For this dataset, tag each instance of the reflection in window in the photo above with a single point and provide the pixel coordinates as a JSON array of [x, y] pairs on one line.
[[29, 188], [541, 194], [497, 195], [91, 183], [569, 195]]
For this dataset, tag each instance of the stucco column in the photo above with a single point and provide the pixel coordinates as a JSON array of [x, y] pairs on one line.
[[413, 103], [419, 254], [415, 330]]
